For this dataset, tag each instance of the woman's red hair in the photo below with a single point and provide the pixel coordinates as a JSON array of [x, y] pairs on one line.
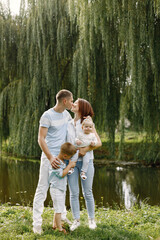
[[85, 108]]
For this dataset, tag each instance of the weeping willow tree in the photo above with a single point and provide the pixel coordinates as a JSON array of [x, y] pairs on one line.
[[104, 51], [118, 44], [43, 43], [99, 53]]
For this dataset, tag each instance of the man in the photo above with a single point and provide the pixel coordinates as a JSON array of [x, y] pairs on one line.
[[52, 134]]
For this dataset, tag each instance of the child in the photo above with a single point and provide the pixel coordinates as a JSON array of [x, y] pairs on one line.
[[58, 182], [84, 139]]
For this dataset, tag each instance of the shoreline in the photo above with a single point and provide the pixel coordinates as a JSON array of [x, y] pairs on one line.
[[98, 162], [119, 163]]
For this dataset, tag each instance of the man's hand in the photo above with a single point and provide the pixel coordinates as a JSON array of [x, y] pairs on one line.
[[82, 152], [54, 161]]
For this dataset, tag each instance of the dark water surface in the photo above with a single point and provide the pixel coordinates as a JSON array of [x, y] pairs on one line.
[[112, 185]]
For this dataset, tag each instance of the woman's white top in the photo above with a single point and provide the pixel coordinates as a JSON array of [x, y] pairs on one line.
[[72, 133]]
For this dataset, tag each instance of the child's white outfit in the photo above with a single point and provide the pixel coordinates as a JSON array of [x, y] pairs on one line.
[[58, 187], [86, 140]]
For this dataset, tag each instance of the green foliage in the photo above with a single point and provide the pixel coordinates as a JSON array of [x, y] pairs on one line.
[[137, 223], [134, 146], [104, 51]]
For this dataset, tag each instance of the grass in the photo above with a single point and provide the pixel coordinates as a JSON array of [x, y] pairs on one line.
[[139, 223], [130, 137], [136, 147]]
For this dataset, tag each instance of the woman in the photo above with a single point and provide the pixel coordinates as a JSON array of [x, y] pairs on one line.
[[81, 109]]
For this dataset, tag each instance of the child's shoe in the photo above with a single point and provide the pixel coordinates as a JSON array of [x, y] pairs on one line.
[[63, 231], [70, 171], [83, 176]]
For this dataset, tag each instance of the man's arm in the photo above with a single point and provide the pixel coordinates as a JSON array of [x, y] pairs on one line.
[[84, 150], [41, 141]]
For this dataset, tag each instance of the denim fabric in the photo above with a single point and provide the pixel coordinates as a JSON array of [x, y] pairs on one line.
[[73, 181]]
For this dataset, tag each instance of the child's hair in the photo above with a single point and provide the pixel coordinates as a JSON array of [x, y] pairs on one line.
[[86, 120], [68, 148]]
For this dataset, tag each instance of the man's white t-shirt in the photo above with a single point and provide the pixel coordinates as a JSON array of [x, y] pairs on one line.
[[57, 129]]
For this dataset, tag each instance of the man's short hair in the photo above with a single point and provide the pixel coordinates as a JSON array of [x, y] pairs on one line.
[[63, 94], [68, 149]]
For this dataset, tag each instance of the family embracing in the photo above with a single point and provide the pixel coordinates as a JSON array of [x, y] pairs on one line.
[[67, 152]]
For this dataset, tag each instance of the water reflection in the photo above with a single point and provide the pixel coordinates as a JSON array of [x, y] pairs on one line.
[[127, 186], [129, 198], [112, 185], [17, 181]]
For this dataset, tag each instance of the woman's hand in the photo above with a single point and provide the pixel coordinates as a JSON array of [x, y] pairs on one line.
[[82, 151], [93, 144]]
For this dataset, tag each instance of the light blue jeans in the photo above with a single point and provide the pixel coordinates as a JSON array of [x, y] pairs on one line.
[[73, 181]]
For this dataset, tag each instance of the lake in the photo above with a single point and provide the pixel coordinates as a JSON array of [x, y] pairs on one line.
[[121, 186]]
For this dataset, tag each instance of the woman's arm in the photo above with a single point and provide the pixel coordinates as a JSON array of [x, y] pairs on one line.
[[99, 143]]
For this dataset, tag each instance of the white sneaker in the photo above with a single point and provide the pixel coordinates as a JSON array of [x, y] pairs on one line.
[[75, 225], [37, 230], [92, 224], [67, 221]]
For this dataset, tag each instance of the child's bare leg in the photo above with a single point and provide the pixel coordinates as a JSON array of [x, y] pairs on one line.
[[54, 222], [58, 221]]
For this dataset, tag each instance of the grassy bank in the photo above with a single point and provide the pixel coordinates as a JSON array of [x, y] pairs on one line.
[[135, 224], [136, 147], [145, 153]]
